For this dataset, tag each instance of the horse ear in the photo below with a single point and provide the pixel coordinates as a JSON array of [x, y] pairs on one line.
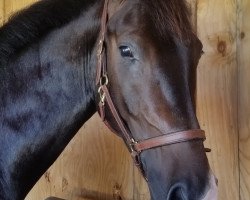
[[113, 6]]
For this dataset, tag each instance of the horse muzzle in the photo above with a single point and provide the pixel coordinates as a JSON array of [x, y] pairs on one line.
[[177, 193]]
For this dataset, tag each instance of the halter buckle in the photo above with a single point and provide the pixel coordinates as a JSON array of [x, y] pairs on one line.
[[132, 147], [102, 95], [103, 82]]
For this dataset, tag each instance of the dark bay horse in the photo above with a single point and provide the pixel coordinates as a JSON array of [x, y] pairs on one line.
[[48, 70]]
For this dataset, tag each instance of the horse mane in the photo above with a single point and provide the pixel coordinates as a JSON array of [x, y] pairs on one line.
[[170, 16], [31, 24]]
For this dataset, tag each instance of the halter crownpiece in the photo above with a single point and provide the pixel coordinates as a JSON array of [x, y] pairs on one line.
[[135, 147]]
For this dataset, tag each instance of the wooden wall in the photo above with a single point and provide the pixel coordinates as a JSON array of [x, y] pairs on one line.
[[90, 170], [217, 90]]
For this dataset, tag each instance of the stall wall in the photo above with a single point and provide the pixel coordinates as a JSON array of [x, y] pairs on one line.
[[96, 165]]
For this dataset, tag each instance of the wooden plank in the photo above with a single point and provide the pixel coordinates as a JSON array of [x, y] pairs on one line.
[[217, 91], [12, 6], [1, 12], [244, 95]]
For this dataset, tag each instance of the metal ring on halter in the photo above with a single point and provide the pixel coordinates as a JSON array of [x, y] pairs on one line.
[[104, 80]]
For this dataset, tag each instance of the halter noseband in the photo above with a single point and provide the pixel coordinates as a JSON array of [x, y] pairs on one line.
[[135, 147]]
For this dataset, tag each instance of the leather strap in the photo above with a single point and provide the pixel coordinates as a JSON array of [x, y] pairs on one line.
[[100, 47], [125, 134], [168, 139]]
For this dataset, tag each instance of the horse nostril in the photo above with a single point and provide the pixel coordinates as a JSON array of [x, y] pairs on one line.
[[176, 193]]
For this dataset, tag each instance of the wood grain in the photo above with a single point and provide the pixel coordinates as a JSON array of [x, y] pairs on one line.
[[217, 91], [11, 6], [1, 12], [244, 95]]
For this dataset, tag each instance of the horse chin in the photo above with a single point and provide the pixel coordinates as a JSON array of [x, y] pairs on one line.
[[212, 192]]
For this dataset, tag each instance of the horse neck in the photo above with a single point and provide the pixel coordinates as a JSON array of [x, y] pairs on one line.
[[47, 94]]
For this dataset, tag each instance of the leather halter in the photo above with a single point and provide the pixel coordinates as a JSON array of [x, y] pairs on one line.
[[135, 147]]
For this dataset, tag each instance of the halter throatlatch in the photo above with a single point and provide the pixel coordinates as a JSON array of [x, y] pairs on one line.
[[135, 147]]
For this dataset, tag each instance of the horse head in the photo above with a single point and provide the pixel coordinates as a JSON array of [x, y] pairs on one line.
[[148, 63]]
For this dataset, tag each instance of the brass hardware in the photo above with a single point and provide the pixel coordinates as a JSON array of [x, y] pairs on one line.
[[102, 95], [132, 145], [104, 80]]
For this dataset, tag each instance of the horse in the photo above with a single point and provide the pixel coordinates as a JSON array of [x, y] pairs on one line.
[[133, 61]]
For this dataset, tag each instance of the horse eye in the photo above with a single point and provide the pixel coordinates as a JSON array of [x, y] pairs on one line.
[[126, 51]]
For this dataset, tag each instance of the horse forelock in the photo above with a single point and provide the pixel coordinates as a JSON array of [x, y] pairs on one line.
[[169, 18]]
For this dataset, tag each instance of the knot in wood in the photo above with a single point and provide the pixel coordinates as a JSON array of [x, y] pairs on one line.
[[222, 47]]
